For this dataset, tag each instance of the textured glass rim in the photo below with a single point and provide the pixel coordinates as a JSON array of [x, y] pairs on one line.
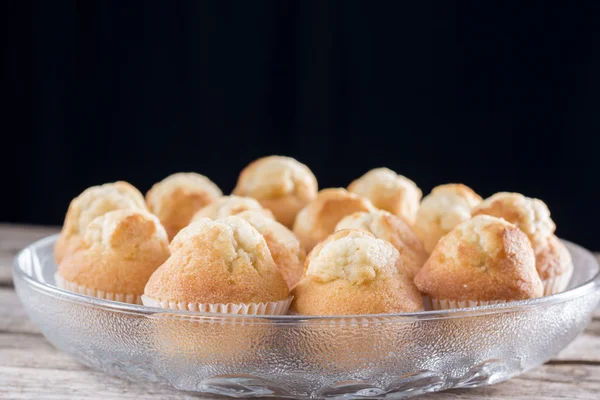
[[585, 288]]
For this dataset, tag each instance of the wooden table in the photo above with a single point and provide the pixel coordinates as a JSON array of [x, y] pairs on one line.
[[31, 368]]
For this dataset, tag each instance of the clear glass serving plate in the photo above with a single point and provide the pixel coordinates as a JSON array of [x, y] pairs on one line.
[[383, 356]]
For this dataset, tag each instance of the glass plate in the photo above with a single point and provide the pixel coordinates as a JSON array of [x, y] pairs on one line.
[[362, 356]]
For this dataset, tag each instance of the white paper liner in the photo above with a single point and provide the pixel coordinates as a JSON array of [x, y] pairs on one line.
[[426, 303], [101, 294], [268, 308], [447, 304], [557, 283]]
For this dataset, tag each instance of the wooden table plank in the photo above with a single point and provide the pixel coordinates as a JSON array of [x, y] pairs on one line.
[[49, 384], [34, 351], [545, 382], [584, 349], [25, 356], [12, 315], [12, 239], [30, 367]]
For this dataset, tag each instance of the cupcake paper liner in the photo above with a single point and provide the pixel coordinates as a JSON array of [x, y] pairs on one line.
[[426, 303], [447, 304], [557, 283], [101, 294], [267, 308]]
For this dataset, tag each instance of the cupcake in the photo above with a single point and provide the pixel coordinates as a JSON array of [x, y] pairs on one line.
[[318, 219], [117, 255], [176, 199], [484, 260], [352, 272], [284, 246], [390, 192], [227, 206], [393, 229], [281, 184], [553, 261], [219, 266], [232, 340], [91, 203], [440, 211]]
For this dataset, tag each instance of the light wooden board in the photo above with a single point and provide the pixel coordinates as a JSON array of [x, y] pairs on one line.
[[546, 382], [31, 368], [12, 315], [12, 239]]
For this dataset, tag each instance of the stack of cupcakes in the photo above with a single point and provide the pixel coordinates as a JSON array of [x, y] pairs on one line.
[[277, 242]]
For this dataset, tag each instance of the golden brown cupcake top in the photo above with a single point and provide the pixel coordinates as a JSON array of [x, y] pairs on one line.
[[552, 258], [91, 203], [281, 184], [389, 191], [176, 199], [352, 272], [223, 261], [441, 210], [318, 219], [285, 248], [98, 200], [393, 229], [227, 206], [119, 251], [530, 215], [482, 259]]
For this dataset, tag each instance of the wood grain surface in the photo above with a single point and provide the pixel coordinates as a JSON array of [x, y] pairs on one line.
[[31, 368]]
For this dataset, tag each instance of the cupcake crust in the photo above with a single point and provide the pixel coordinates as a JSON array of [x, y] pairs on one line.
[[530, 215], [553, 259], [533, 218], [440, 211], [285, 248], [393, 229], [390, 192], [352, 272], [213, 262], [318, 219], [227, 206], [91, 203], [176, 199], [119, 252], [482, 259], [280, 184]]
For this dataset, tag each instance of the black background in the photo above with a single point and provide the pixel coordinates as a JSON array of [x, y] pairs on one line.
[[498, 95]]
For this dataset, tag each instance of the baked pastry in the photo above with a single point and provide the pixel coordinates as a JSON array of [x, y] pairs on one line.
[[393, 229], [119, 251], [176, 199], [318, 219], [352, 272], [219, 266], [91, 203], [441, 210], [553, 261], [285, 248], [220, 340], [281, 184], [227, 206], [389, 191], [484, 260], [554, 265]]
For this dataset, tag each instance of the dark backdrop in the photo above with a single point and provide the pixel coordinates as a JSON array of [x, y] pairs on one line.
[[498, 95]]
